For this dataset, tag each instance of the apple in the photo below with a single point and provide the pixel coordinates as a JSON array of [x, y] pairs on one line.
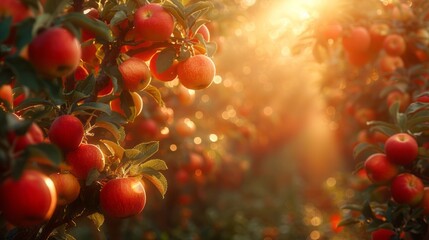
[[33, 135], [358, 59], [402, 12], [398, 96], [331, 31], [389, 64], [168, 75], [89, 55], [394, 45], [85, 158], [181, 176], [15, 9], [364, 114], [407, 188], [135, 74], [186, 96], [153, 23], [29, 200], [163, 115], [382, 234], [358, 40], [196, 72], [401, 148], [123, 197], [66, 132], [55, 52], [6, 93], [379, 169], [378, 32], [67, 187], [185, 127], [195, 162], [204, 31]]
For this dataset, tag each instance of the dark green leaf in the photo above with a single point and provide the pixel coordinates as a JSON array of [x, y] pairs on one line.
[[55, 6], [93, 106], [92, 176], [363, 150], [165, 59], [24, 33], [99, 28], [5, 24], [24, 72], [348, 222], [118, 17], [50, 151]]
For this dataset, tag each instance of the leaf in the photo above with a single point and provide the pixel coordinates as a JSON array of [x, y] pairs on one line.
[[156, 94], [157, 179], [93, 106], [55, 6], [112, 128], [24, 72], [92, 176], [5, 24], [354, 207], [132, 154], [50, 151], [118, 17], [147, 149], [347, 222], [114, 148], [365, 149], [99, 28], [24, 33], [97, 219], [155, 164], [165, 59]]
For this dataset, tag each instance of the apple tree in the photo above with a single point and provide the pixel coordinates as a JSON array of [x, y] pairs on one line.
[[73, 75]]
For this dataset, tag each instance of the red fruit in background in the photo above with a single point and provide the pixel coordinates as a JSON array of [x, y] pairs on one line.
[[89, 55], [358, 59], [33, 135], [401, 148], [425, 201], [378, 33], [6, 93], [358, 40], [15, 9], [29, 200], [360, 180], [407, 188], [331, 31], [363, 115], [153, 23], [186, 96], [55, 52], [181, 176], [382, 234], [394, 45], [108, 89], [85, 158], [195, 162], [123, 197], [185, 127], [168, 75], [67, 132], [135, 74], [80, 73], [196, 72], [334, 220], [67, 187], [379, 169], [398, 96], [389, 64]]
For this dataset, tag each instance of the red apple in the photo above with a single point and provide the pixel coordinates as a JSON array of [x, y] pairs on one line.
[[67, 132], [153, 23], [135, 74], [358, 40], [67, 187], [123, 197], [389, 64], [401, 148], [407, 188], [85, 158], [29, 200], [379, 169], [196, 72], [394, 45], [398, 96], [15, 9], [6, 93], [55, 52], [185, 127], [34, 135], [382, 234]]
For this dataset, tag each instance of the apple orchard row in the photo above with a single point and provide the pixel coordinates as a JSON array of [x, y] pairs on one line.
[[147, 44]]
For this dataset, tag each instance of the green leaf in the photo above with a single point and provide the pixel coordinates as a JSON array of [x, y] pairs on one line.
[[5, 24], [24, 72], [147, 149], [118, 17], [165, 59], [99, 28], [93, 106], [157, 179], [128, 105], [114, 148], [365, 149], [200, 6], [156, 94], [132, 154], [92, 176], [155, 164], [55, 6], [50, 151], [97, 219], [112, 128], [355, 207], [24, 33], [348, 222]]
